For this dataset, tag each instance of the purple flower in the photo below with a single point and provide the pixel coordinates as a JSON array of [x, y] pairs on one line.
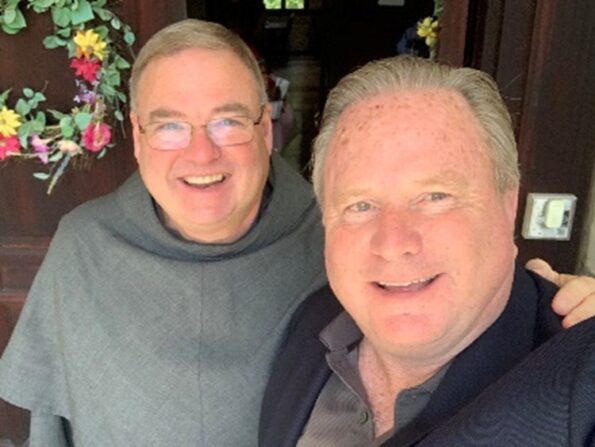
[[41, 148]]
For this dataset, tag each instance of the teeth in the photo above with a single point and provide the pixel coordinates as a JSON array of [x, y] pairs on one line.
[[204, 180], [405, 284]]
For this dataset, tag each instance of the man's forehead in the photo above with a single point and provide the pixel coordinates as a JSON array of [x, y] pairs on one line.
[[394, 113], [412, 123], [218, 77], [404, 101]]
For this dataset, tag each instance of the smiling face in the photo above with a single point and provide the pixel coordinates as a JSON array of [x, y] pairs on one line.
[[419, 245], [207, 193]]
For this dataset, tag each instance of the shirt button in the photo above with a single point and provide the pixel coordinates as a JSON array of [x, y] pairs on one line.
[[364, 417]]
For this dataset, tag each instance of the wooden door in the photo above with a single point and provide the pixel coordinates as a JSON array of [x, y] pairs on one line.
[[28, 216], [542, 54]]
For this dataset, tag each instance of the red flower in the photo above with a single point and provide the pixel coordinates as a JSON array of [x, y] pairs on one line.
[[9, 145], [86, 68], [96, 136]]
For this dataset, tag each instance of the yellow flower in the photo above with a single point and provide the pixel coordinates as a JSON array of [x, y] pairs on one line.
[[9, 122], [89, 43], [428, 28]]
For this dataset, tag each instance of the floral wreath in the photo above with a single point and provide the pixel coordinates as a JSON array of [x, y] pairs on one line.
[[94, 37]]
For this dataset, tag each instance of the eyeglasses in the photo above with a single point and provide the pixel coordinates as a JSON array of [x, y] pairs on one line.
[[223, 131]]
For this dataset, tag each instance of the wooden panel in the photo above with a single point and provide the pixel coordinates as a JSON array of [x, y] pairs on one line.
[[453, 32], [557, 133], [28, 217], [542, 54]]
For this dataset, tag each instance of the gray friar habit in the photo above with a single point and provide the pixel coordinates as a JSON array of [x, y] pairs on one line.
[[132, 336]]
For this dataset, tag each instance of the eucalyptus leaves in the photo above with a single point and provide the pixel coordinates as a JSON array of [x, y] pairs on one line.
[[93, 36]]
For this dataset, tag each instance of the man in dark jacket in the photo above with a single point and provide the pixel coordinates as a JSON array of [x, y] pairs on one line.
[[547, 401], [416, 173]]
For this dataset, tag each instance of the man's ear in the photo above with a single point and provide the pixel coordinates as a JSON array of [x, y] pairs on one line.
[[266, 124], [135, 134], [511, 203]]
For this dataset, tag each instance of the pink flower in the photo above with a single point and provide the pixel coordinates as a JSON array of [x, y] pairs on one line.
[[96, 136], [86, 68], [8, 146], [41, 148]]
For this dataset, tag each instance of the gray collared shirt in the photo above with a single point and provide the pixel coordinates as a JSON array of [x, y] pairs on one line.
[[342, 414]]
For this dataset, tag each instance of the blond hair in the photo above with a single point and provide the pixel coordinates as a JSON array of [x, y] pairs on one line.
[[188, 34], [407, 72]]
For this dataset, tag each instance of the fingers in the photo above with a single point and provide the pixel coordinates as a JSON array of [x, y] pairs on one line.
[[575, 301], [543, 269]]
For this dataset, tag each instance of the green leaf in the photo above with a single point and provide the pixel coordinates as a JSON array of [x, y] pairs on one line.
[[64, 32], [102, 153], [82, 120], [8, 29], [24, 132], [103, 31], [41, 175], [9, 15], [103, 14], [39, 97], [67, 131], [129, 38], [116, 24], [40, 6], [22, 107], [41, 118], [28, 92], [4, 96], [61, 17], [12, 21], [51, 42], [108, 90], [66, 127], [37, 127], [56, 114], [56, 157], [119, 116], [71, 46], [82, 13], [121, 63], [113, 78], [99, 3], [23, 139]]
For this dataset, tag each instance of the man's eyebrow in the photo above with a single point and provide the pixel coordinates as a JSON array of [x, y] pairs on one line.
[[165, 113], [446, 178], [232, 107], [161, 113]]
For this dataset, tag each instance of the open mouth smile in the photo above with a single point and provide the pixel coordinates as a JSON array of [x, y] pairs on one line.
[[204, 181], [410, 286]]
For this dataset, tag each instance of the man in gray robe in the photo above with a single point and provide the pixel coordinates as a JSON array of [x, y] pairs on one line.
[[157, 311], [158, 308]]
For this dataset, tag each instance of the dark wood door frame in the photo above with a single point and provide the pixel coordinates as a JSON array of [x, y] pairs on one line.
[[542, 54]]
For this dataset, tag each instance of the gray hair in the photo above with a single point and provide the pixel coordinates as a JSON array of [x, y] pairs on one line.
[[407, 72], [188, 34]]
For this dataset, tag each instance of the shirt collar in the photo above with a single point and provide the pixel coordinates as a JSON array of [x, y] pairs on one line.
[[341, 334]]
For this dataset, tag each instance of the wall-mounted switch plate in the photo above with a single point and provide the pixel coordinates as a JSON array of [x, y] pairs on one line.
[[549, 216]]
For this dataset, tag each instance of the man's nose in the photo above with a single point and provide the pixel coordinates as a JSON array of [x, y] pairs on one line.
[[201, 148], [397, 234]]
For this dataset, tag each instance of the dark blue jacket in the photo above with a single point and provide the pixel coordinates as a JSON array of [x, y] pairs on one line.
[[546, 401], [300, 370]]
